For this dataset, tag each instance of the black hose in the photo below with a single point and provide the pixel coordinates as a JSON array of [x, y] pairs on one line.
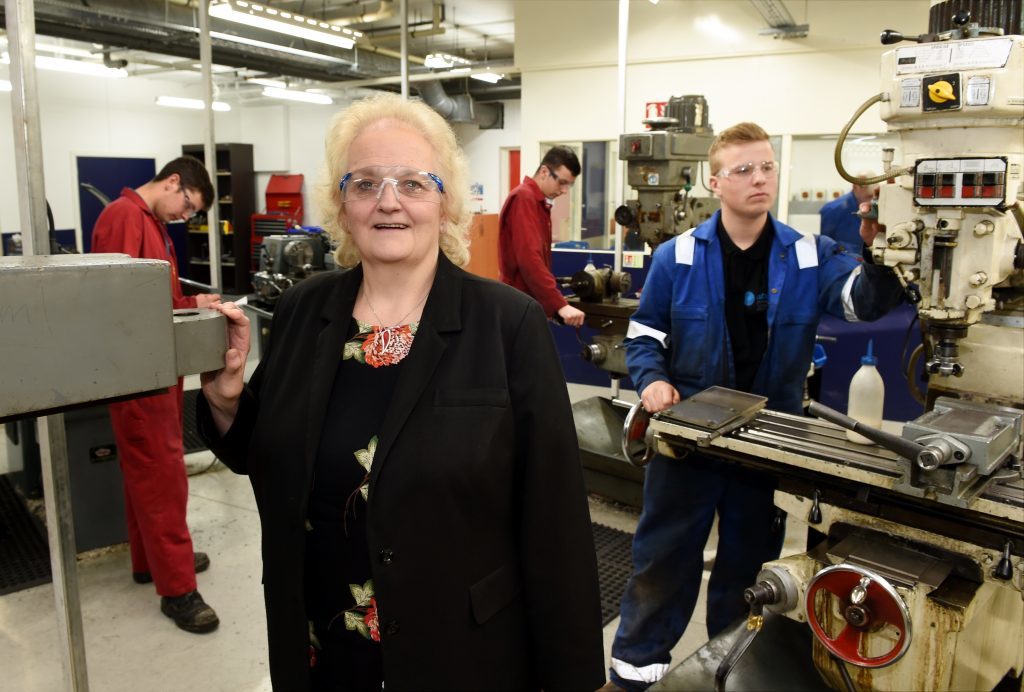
[[847, 680]]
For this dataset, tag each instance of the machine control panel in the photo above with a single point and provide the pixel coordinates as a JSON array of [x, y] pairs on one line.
[[975, 78], [975, 182]]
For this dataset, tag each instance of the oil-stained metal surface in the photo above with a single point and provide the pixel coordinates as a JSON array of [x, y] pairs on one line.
[[81, 328], [778, 658], [200, 340]]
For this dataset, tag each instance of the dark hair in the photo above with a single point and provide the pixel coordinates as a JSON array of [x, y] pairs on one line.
[[561, 156], [193, 175]]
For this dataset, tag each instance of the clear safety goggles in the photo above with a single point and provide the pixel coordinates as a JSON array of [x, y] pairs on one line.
[[745, 170], [408, 183]]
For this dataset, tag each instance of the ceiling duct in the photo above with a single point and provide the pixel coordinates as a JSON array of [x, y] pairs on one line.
[[169, 27], [461, 108], [458, 109]]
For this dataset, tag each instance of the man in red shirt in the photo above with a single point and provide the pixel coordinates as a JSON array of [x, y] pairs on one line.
[[524, 238], [148, 430]]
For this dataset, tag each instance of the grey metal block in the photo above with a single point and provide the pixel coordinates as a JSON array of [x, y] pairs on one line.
[[200, 340], [81, 328]]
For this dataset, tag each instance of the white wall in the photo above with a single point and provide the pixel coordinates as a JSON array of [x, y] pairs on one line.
[[568, 55], [567, 52], [483, 149], [93, 116]]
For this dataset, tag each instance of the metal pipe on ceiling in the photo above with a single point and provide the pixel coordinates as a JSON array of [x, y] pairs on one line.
[[404, 10], [210, 148]]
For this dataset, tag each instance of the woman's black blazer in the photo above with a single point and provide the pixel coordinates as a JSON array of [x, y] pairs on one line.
[[478, 526]]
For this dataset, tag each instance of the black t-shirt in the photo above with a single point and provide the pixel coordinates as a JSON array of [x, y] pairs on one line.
[[746, 301]]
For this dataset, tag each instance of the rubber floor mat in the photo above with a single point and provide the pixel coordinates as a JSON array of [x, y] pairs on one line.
[[24, 553], [614, 565], [190, 435]]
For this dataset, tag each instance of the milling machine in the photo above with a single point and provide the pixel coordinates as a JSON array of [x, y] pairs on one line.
[[919, 581], [664, 165]]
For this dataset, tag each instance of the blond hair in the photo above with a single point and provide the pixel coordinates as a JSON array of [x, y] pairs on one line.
[[737, 134], [452, 169]]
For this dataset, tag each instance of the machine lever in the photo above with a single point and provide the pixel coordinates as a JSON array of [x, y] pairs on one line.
[[814, 516], [891, 36], [1004, 569], [757, 597], [905, 448]]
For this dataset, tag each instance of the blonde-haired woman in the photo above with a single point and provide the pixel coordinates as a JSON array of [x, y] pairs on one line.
[[410, 444]]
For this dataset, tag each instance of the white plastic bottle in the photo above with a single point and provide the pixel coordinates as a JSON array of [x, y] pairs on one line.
[[867, 396]]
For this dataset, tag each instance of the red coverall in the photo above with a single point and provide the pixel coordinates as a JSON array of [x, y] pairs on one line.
[[524, 246], [148, 430]]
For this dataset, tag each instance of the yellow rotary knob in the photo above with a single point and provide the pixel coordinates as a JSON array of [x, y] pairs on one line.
[[941, 91]]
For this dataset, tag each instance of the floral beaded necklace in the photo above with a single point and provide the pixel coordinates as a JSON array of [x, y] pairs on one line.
[[389, 345]]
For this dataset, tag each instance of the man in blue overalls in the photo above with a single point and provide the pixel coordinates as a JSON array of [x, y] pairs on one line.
[[734, 302], [839, 217]]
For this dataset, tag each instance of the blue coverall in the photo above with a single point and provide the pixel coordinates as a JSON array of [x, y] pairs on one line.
[[679, 334], [839, 221]]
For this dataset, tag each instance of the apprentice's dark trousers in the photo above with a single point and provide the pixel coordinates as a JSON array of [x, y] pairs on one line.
[[681, 497]]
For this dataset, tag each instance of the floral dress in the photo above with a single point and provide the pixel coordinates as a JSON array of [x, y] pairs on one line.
[[340, 602]]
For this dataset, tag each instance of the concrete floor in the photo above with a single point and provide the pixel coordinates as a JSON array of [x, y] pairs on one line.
[[130, 645]]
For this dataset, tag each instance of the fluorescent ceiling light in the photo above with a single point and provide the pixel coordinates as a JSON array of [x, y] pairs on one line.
[[195, 104], [276, 83], [94, 69], [491, 77], [654, 2], [273, 46], [437, 60], [444, 60], [714, 26], [5, 85], [460, 70], [304, 96], [261, 17], [215, 68], [64, 50], [60, 50]]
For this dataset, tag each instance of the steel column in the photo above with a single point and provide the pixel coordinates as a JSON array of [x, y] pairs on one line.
[[210, 149], [28, 150]]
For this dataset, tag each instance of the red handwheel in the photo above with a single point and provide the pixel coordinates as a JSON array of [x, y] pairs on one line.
[[868, 603]]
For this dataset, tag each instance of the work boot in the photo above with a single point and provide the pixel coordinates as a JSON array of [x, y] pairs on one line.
[[202, 562], [190, 612]]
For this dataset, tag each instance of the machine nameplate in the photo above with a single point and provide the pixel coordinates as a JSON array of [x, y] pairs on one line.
[[973, 55]]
